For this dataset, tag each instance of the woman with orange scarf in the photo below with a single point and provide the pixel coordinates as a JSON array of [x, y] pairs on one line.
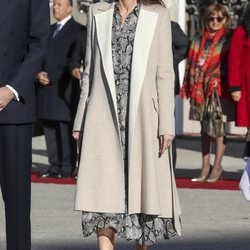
[[206, 71]]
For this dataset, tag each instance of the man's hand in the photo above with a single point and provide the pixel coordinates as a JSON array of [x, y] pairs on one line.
[[236, 95], [76, 73], [164, 143], [43, 78], [77, 135], [6, 96]]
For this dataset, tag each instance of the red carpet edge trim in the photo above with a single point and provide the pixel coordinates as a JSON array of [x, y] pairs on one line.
[[180, 182]]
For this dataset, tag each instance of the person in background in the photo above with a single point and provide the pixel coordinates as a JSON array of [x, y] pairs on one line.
[[58, 94], [77, 57], [239, 86], [180, 45], [24, 27], [239, 70], [125, 115], [206, 71], [76, 67]]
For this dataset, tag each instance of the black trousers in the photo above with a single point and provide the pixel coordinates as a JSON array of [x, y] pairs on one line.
[[174, 153], [15, 172], [61, 146]]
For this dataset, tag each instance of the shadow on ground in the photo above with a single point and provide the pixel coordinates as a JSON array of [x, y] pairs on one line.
[[191, 173], [223, 243], [234, 147], [41, 152], [38, 167]]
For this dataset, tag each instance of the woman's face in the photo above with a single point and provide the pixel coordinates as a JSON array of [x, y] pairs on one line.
[[216, 21]]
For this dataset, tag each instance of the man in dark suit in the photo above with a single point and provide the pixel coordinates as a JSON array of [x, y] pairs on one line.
[[77, 57], [180, 46], [24, 27], [76, 67], [58, 94]]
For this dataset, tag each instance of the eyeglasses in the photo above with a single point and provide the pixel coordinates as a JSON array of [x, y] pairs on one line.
[[218, 19]]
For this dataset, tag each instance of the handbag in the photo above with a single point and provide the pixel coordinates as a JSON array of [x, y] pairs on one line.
[[212, 122]]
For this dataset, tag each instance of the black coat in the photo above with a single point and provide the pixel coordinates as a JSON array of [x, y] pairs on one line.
[[180, 46], [79, 50], [58, 100], [23, 40]]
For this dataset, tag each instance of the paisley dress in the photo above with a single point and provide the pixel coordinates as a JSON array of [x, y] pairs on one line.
[[146, 229]]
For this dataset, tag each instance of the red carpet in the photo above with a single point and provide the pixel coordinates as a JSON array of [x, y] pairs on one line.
[[50, 180], [180, 182], [221, 184]]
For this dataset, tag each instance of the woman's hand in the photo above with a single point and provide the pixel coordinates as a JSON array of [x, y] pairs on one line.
[[236, 95], [77, 135], [215, 83], [164, 143]]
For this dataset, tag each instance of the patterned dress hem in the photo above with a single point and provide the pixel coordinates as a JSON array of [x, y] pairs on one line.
[[145, 229]]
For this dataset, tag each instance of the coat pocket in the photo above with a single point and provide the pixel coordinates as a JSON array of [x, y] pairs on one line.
[[155, 105]]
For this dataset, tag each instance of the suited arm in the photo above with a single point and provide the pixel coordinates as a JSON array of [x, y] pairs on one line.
[[38, 35], [78, 53], [180, 43], [86, 76], [165, 78]]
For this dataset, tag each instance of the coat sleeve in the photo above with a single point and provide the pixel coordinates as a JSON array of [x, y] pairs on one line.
[[78, 52], [165, 78], [39, 24], [234, 64], [86, 76], [180, 43]]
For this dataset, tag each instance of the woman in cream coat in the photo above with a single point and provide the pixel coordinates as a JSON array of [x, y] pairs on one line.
[[126, 120]]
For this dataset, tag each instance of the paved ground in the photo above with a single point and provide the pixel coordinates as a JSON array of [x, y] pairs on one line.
[[212, 219]]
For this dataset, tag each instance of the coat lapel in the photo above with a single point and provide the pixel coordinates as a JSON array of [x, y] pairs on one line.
[[104, 22], [143, 38]]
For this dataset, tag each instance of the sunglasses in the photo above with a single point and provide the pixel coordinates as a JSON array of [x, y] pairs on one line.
[[218, 19]]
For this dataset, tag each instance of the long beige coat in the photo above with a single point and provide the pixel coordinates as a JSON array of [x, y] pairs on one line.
[[100, 185]]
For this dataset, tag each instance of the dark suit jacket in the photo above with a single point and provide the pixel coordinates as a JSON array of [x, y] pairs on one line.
[[180, 45], [58, 100], [24, 26], [78, 53]]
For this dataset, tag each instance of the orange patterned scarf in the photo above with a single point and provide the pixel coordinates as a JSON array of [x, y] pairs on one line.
[[204, 68]]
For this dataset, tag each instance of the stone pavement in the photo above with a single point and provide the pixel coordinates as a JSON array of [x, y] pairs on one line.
[[212, 219]]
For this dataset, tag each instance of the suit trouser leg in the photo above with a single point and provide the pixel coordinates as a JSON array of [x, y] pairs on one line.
[[15, 169], [174, 153], [68, 147], [52, 134]]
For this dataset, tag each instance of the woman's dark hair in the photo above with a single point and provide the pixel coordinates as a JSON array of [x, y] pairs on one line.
[[216, 8], [150, 2], [246, 20]]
